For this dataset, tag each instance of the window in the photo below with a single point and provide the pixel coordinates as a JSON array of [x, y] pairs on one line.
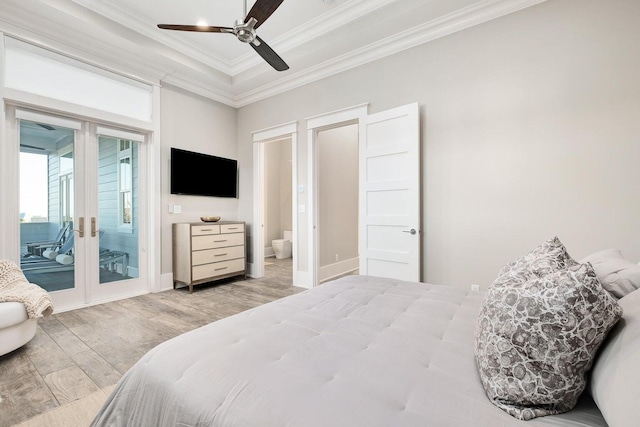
[[125, 185]]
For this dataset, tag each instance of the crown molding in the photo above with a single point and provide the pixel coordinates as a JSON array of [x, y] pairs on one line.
[[127, 17], [332, 20], [196, 86], [207, 80], [476, 14]]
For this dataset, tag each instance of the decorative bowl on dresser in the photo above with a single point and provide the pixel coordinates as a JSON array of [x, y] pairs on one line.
[[204, 252]]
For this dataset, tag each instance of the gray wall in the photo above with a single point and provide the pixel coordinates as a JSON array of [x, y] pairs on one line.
[[194, 123], [529, 129], [337, 194]]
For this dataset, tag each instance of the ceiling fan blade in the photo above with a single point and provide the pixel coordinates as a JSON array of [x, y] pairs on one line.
[[200, 28], [261, 10], [268, 54], [33, 147]]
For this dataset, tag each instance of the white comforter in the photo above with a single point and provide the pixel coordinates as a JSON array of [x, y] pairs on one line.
[[360, 351]]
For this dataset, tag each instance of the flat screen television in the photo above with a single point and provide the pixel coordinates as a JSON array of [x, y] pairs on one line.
[[199, 174]]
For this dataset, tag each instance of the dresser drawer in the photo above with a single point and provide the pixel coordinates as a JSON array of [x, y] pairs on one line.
[[217, 269], [199, 230], [213, 241], [215, 255], [232, 228]]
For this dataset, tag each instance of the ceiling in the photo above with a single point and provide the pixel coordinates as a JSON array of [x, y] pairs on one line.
[[317, 38], [37, 138]]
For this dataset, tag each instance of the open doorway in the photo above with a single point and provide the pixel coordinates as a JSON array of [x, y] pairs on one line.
[[278, 210], [334, 142], [274, 169], [389, 190], [337, 201]]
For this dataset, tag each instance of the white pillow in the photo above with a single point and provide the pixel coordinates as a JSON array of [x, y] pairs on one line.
[[617, 275], [616, 372], [64, 259], [50, 254]]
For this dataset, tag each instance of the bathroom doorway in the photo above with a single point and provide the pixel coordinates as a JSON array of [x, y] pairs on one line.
[[274, 201], [277, 212]]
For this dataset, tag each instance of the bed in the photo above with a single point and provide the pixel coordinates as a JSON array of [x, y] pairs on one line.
[[358, 351]]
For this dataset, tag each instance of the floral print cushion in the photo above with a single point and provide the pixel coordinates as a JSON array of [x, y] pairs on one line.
[[536, 339]]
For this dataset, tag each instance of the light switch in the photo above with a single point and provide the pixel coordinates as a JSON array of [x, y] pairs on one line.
[[177, 209], [302, 208]]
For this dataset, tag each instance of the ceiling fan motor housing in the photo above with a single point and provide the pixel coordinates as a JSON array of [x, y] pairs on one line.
[[245, 31]]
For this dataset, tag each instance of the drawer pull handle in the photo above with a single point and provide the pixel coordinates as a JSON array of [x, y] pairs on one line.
[[221, 268], [220, 254], [219, 241], [205, 229], [232, 228]]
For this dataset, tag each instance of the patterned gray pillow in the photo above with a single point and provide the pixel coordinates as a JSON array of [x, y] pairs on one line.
[[548, 257], [536, 340]]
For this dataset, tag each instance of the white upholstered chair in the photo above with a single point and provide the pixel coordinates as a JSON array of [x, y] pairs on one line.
[[16, 329]]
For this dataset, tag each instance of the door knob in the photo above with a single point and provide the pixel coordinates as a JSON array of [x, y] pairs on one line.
[[412, 231]]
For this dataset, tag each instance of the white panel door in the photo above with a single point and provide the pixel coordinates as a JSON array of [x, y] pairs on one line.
[[390, 194]]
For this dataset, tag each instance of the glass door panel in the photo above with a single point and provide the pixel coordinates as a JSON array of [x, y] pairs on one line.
[[47, 252], [118, 209]]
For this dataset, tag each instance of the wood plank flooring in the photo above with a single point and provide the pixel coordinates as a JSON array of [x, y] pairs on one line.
[[77, 353]]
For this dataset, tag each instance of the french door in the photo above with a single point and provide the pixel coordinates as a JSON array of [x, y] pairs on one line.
[[81, 205]]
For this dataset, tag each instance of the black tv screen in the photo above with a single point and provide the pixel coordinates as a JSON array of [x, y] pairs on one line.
[[199, 174]]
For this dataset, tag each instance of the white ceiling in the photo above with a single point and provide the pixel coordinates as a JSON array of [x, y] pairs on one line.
[[317, 38]]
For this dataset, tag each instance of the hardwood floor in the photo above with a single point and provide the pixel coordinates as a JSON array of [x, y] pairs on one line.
[[79, 352]]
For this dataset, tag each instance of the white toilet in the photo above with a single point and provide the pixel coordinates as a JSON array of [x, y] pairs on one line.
[[282, 247]]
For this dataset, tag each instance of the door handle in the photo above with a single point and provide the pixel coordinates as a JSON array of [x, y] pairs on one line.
[[412, 231], [94, 231], [80, 227]]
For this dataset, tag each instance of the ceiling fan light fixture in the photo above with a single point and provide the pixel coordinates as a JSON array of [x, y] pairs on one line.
[[245, 31]]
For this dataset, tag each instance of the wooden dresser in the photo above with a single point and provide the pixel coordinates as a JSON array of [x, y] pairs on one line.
[[204, 252]]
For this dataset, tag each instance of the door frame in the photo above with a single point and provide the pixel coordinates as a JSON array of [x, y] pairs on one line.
[[259, 138], [356, 114]]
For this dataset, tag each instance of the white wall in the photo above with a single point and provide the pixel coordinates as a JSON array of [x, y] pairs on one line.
[[529, 129], [194, 123]]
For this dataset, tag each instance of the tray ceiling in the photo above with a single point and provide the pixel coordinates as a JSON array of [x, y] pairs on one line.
[[317, 38]]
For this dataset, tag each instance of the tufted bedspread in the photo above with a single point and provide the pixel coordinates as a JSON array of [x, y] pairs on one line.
[[359, 351]]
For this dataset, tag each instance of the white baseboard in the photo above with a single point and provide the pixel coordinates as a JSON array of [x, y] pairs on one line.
[[166, 282], [337, 269], [269, 252]]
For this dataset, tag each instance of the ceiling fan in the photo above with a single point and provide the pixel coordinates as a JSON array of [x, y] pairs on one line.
[[245, 30]]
